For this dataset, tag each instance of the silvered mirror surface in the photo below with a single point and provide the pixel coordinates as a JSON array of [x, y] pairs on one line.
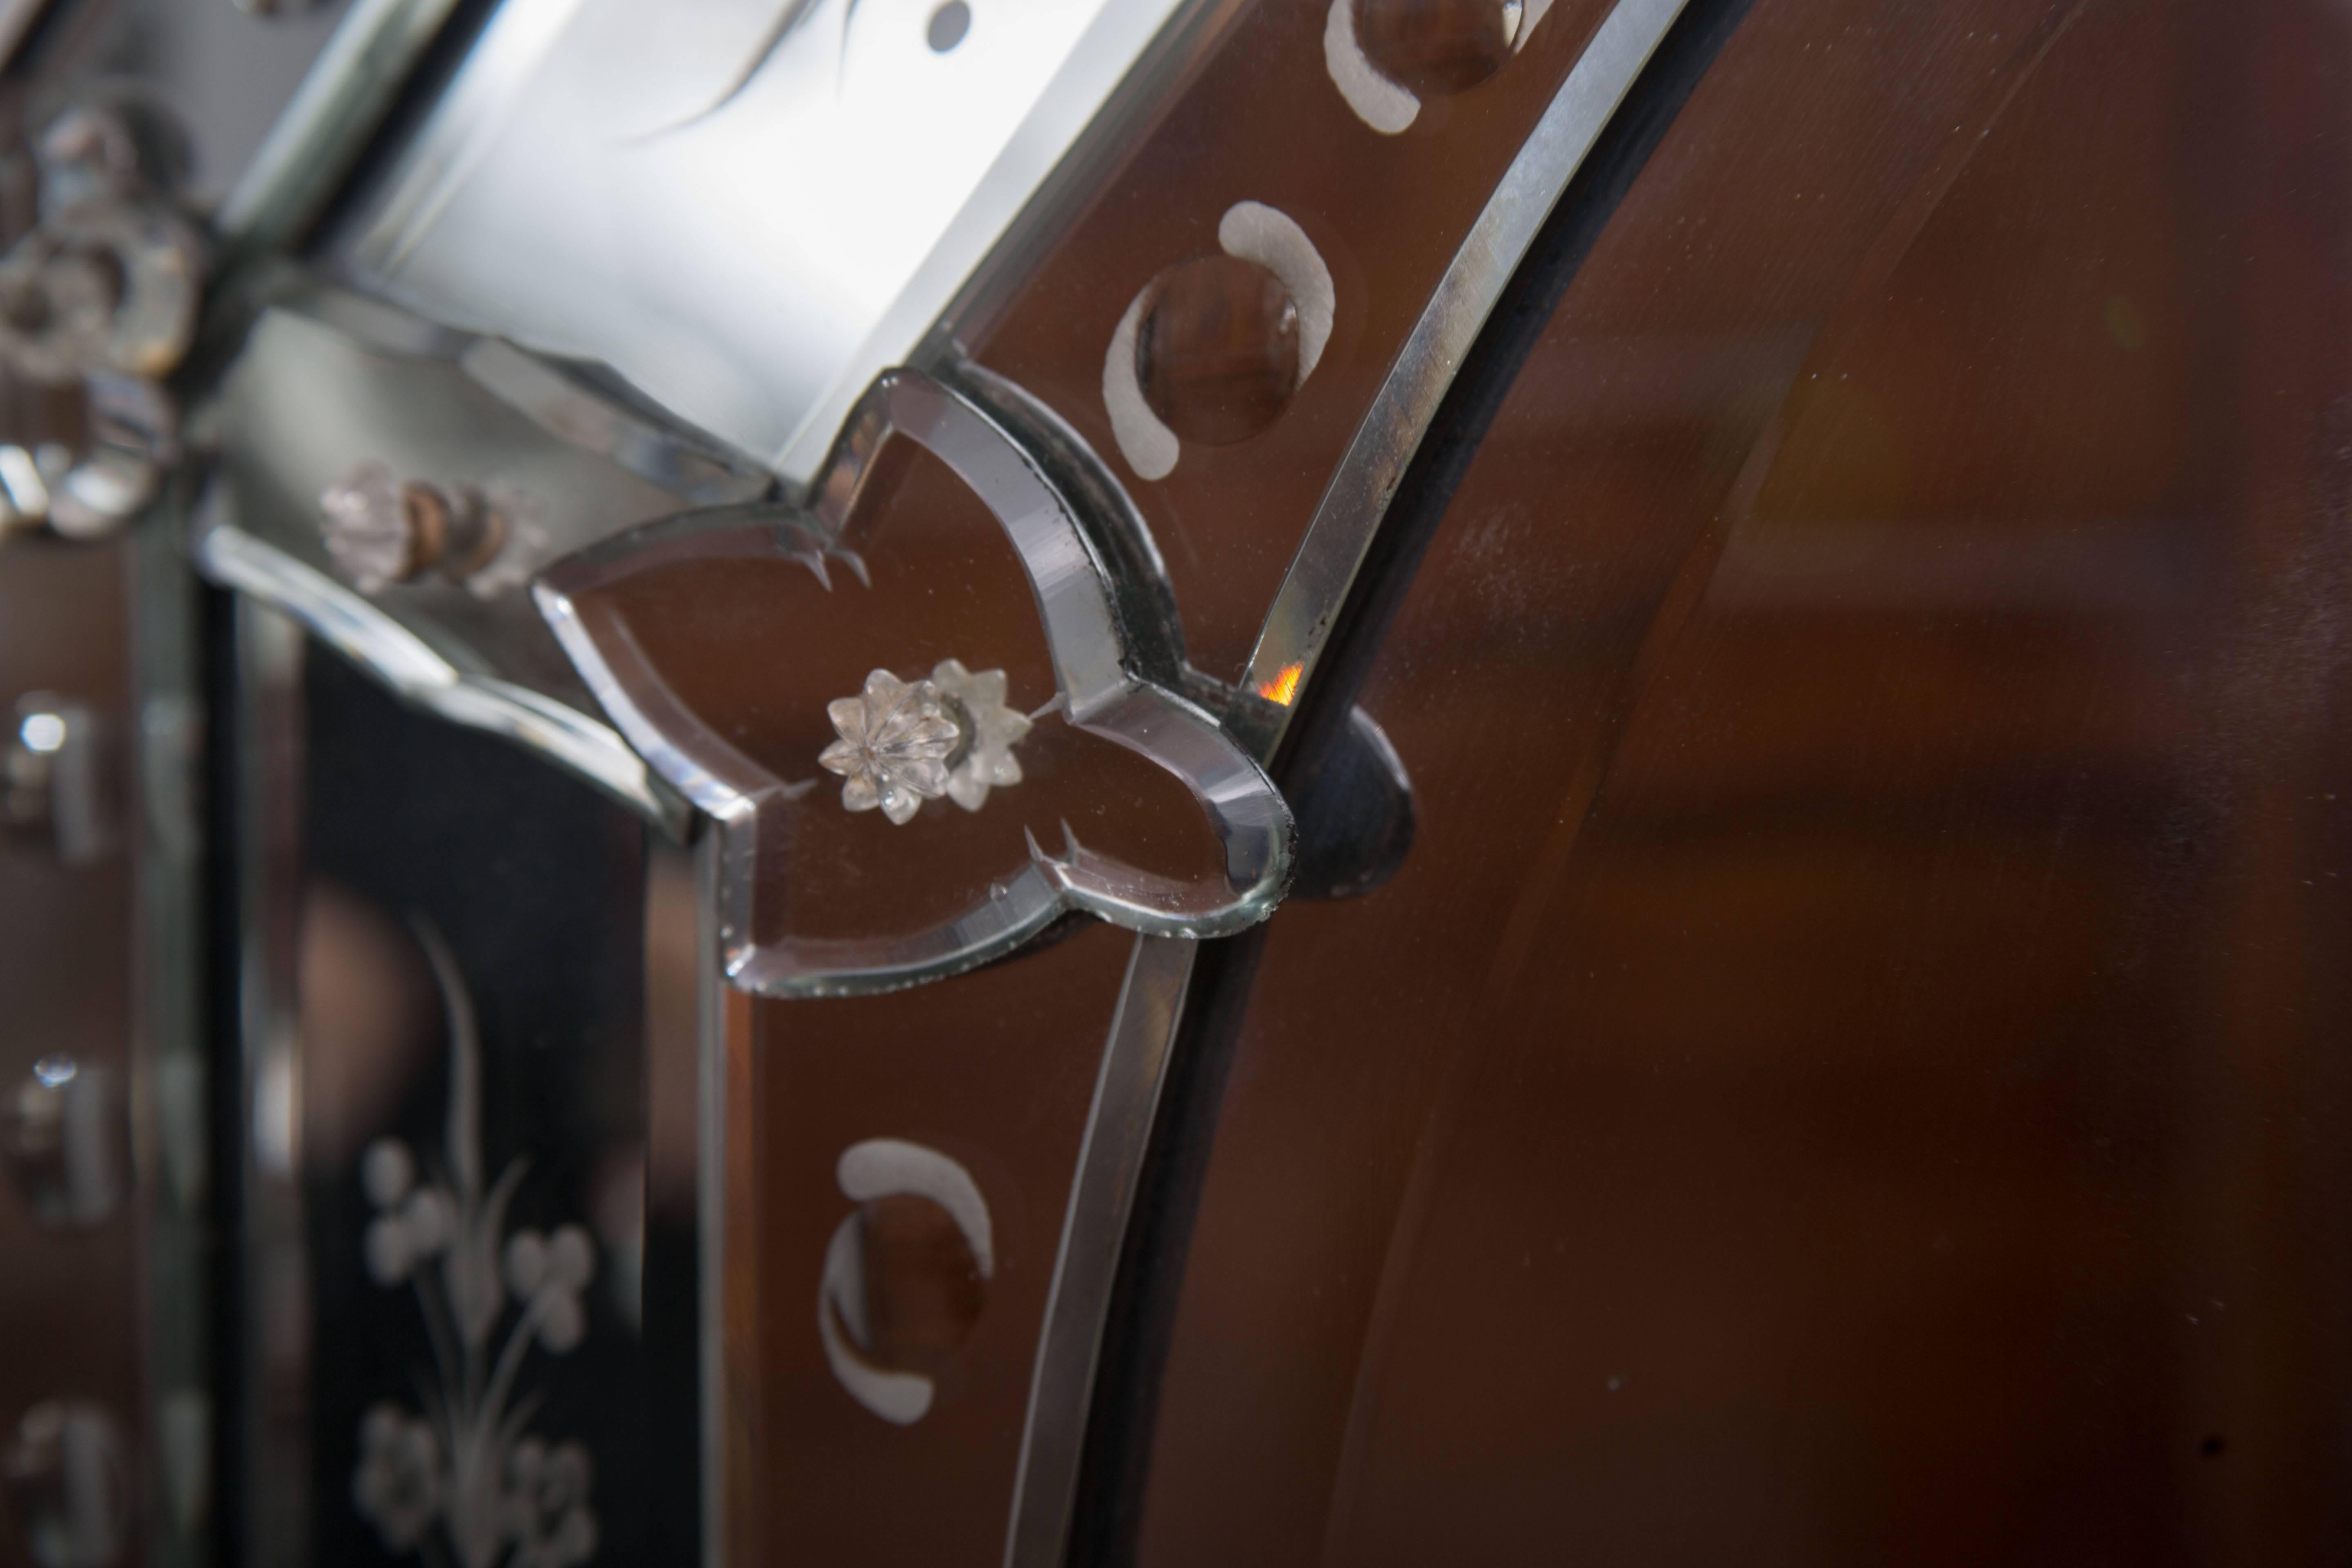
[[1172, 781]]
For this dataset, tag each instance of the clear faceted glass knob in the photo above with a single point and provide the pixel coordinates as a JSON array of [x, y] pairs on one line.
[[904, 743], [989, 729], [896, 740], [380, 532], [364, 522]]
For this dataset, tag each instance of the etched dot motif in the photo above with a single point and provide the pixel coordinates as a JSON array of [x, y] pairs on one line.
[[1437, 47], [1217, 350]]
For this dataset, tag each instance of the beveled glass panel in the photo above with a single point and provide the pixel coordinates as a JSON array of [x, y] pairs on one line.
[[748, 207], [310, 406], [1263, 121], [994, 1070], [759, 647], [888, 637]]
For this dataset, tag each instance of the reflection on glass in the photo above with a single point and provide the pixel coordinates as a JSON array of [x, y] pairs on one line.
[[747, 207], [1858, 1041]]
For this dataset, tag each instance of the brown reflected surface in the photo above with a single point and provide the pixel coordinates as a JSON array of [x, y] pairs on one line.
[[1437, 45], [70, 1313], [370, 1018], [920, 1282], [993, 1069], [1856, 1067], [1261, 122]]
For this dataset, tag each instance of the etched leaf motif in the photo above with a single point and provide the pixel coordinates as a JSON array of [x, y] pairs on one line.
[[470, 1271]]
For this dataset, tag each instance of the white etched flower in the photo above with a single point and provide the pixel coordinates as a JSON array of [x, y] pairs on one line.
[[390, 1258], [415, 1223], [547, 1275], [397, 1487], [547, 1512], [989, 729], [387, 1171], [894, 746]]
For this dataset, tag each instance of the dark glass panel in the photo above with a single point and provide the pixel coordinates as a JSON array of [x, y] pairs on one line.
[[416, 831]]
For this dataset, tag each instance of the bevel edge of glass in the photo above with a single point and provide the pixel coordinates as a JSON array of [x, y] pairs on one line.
[[169, 1032], [1094, 1231], [457, 133], [584, 747], [1103, 692], [1120, 40], [339, 105], [1356, 500]]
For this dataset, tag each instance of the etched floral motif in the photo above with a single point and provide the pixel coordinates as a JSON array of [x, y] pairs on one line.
[[896, 740], [989, 730], [398, 1485], [547, 1504], [547, 1273], [1114, 670], [504, 1500]]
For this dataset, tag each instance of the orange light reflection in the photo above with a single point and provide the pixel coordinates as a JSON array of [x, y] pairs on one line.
[[1283, 687]]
